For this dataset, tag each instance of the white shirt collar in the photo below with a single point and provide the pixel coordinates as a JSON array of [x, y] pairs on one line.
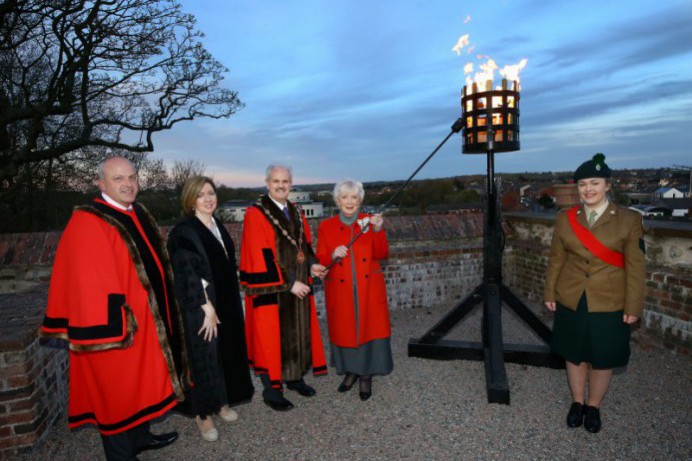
[[281, 207], [112, 202]]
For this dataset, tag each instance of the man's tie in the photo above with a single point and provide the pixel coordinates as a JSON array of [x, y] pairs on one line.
[[592, 218], [286, 213]]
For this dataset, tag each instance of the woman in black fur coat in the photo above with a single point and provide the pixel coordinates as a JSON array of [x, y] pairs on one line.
[[206, 286]]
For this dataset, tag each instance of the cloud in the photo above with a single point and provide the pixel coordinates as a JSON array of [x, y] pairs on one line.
[[337, 92]]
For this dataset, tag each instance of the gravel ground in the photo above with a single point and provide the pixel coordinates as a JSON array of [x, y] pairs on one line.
[[437, 410]]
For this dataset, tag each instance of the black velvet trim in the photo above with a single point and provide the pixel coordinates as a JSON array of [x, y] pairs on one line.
[[261, 278], [321, 369], [114, 328], [55, 322], [265, 300], [121, 424]]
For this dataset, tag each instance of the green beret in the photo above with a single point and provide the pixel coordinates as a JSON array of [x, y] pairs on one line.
[[594, 168]]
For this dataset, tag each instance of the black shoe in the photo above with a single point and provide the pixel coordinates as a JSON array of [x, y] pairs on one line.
[[301, 387], [365, 387], [282, 404], [575, 417], [274, 398], [159, 441], [592, 419], [348, 382]]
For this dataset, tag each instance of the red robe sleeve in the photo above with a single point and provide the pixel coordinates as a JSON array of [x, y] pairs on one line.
[[87, 300], [260, 272]]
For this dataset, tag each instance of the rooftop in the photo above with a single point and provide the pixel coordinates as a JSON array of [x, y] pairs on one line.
[[437, 410]]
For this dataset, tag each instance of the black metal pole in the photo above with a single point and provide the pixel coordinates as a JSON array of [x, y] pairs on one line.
[[457, 126]]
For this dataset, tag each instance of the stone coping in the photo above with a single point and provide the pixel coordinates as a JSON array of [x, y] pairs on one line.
[[660, 228]]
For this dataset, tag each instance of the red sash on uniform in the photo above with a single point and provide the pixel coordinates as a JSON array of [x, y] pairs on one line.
[[592, 244]]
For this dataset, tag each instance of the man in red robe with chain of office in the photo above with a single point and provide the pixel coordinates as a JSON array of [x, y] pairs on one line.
[[111, 302], [277, 264]]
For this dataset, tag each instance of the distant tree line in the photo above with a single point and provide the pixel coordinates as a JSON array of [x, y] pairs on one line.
[[419, 195]]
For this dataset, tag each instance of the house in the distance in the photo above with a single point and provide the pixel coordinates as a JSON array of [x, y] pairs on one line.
[[310, 208], [234, 210], [668, 192]]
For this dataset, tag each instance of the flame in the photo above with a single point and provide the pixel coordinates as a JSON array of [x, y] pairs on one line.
[[468, 19], [486, 73], [511, 72], [484, 77], [461, 43]]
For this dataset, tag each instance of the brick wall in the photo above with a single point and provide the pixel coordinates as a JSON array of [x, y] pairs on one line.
[[33, 379]]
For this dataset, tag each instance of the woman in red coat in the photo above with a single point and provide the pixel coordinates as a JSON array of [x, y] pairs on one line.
[[355, 293]]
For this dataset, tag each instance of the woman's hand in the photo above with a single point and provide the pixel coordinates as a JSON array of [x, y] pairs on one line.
[[551, 305], [377, 221], [629, 319], [209, 328], [340, 252]]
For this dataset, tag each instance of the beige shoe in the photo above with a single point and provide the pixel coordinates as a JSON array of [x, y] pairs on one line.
[[207, 429], [227, 414]]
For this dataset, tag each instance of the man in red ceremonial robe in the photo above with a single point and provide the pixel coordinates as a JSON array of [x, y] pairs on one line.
[[276, 266], [110, 301]]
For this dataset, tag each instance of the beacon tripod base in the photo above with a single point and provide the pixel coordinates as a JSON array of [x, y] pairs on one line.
[[492, 292]]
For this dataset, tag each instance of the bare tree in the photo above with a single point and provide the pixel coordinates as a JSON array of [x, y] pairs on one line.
[[183, 170], [104, 73]]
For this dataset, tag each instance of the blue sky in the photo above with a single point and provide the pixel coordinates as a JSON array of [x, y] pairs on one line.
[[366, 89]]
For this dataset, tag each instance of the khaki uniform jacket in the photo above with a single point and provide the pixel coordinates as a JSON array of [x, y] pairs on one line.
[[572, 269]]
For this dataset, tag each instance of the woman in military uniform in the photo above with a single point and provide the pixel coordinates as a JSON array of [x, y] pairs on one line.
[[595, 286]]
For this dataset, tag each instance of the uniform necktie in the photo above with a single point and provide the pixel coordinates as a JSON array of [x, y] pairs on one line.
[[286, 213], [592, 218]]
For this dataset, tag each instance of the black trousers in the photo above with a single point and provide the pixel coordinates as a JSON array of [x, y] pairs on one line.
[[124, 446]]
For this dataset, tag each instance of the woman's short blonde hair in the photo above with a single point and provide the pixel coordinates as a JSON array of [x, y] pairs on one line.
[[191, 190], [348, 185]]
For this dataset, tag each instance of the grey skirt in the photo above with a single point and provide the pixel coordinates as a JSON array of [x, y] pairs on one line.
[[371, 358]]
